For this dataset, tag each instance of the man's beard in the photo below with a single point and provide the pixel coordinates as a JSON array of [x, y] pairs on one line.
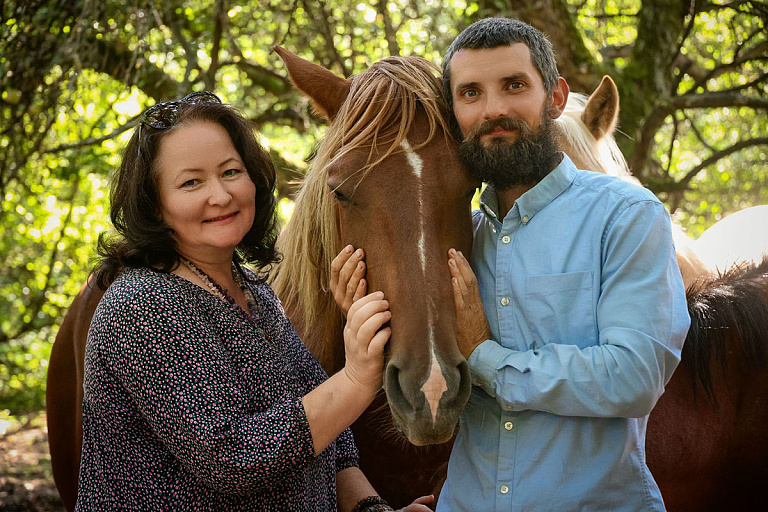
[[504, 164]]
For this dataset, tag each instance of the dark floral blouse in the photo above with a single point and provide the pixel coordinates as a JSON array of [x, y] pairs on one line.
[[189, 405]]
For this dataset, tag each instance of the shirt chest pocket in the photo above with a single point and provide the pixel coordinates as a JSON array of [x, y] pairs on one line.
[[560, 308]]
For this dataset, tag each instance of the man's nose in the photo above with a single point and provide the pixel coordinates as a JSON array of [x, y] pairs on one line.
[[495, 107]]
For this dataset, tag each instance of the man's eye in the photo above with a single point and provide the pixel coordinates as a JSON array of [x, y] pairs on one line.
[[470, 94], [515, 85]]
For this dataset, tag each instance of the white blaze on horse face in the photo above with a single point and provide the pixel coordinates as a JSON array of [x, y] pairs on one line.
[[417, 164], [435, 386]]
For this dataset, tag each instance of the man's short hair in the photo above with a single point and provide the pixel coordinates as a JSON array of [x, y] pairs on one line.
[[495, 32]]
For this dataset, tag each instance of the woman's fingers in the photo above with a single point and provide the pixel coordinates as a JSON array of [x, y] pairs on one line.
[[371, 326], [365, 337], [347, 271], [359, 304], [368, 315]]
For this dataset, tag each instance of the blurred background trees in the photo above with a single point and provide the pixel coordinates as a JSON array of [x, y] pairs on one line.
[[75, 74]]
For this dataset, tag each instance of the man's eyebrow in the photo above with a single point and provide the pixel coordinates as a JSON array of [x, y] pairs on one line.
[[522, 75], [516, 76], [465, 85]]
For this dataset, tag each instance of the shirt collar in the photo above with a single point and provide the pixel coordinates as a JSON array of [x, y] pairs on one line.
[[535, 199]]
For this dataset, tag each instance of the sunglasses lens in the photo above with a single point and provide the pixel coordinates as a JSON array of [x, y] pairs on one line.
[[164, 115], [200, 97]]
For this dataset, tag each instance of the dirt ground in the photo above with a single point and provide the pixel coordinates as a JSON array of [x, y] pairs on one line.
[[26, 482]]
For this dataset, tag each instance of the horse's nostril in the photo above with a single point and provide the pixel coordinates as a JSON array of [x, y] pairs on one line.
[[393, 386]]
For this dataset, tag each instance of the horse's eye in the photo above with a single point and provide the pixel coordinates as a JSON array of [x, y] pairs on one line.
[[339, 195]]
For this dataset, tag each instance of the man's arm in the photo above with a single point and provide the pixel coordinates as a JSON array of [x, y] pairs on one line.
[[642, 321]]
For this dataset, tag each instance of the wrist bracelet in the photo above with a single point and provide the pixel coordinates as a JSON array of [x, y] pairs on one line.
[[372, 504]]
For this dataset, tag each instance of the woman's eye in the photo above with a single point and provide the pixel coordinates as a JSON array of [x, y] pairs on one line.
[[232, 172], [189, 183]]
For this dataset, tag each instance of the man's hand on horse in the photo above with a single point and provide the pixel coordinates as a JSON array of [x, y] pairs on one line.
[[348, 277], [471, 323]]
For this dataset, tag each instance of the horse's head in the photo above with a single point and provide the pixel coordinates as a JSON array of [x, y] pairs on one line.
[[387, 177], [586, 131]]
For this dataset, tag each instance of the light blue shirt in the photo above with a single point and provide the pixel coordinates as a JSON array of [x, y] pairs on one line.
[[588, 316]]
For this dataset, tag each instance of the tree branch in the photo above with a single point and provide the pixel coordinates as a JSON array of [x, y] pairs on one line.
[[389, 32], [265, 78], [688, 101], [720, 154], [91, 141], [218, 29], [328, 38], [758, 52], [172, 21]]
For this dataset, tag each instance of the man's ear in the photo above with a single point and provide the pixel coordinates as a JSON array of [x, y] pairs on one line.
[[559, 97]]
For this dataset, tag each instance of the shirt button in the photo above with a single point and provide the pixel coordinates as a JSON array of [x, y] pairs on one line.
[[503, 489], [505, 239], [504, 301], [525, 219], [508, 425]]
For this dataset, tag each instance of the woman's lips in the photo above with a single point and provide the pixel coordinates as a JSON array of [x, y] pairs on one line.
[[221, 218]]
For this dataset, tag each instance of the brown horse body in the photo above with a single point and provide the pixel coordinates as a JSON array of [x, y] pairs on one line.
[[706, 451], [706, 443]]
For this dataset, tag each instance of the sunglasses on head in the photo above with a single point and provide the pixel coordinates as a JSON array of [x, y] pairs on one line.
[[164, 115]]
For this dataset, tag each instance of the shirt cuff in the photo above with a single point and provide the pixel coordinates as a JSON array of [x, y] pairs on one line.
[[483, 364]]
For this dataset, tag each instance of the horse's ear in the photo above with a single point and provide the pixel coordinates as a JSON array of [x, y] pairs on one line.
[[326, 90], [602, 110]]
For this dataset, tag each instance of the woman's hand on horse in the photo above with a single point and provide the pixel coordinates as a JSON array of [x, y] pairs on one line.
[[419, 505], [347, 277], [364, 339], [471, 323]]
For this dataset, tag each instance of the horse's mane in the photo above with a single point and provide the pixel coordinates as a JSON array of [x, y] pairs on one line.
[[377, 115], [731, 304], [601, 155]]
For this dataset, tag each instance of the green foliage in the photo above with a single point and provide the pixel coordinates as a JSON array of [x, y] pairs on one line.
[[74, 74], [23, 368]]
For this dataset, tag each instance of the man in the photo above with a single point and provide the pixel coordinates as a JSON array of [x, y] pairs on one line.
[[584, 308]]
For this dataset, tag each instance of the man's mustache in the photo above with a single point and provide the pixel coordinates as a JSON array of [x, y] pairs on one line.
[[505, 123]]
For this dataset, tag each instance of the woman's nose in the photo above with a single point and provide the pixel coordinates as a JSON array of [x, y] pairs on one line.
[[219, 194]]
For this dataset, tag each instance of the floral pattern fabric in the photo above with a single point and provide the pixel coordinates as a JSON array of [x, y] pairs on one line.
[[189, 405]]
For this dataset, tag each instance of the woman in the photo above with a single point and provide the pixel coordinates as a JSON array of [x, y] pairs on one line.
[[198, 393]]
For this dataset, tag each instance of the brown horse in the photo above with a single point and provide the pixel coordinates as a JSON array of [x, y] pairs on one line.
[[387, 178], [706, 443]]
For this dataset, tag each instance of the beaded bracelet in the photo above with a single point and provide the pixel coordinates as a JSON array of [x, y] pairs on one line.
[[372, 504]]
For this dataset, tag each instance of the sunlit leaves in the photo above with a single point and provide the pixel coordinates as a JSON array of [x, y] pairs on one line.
[[68, 101]]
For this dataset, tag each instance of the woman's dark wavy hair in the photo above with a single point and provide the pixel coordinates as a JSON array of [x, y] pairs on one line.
[[143, 239]]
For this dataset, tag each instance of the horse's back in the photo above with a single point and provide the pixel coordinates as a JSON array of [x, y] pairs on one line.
[[738, 238], [64, 392], [706, 444]]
